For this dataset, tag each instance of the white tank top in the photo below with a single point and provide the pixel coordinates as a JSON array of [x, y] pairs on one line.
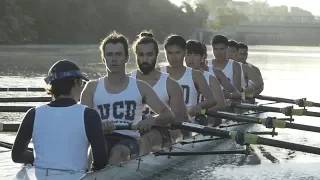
[[249, 81], [163, 69], [210, 70], [59, 138], [243, 81], [209, 62], [160, 88], [190, 93], [228, 70], [207, 77], [122, 108]]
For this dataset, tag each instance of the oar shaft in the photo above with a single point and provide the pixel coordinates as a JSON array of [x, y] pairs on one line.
[[288, 145], [23, 89], [26, 99], [255, 107], [310, 113], [276, 99], [302, 127]]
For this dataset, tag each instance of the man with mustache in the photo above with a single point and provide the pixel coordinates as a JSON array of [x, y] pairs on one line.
[[146, 49]]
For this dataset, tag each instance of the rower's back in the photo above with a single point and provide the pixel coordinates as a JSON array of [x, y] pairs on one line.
[[120, 108], [59, 138]]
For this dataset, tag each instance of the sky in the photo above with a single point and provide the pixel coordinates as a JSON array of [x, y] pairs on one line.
[[309, 5]]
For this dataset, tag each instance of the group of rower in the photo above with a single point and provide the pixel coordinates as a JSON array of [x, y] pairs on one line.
[[63, 129]]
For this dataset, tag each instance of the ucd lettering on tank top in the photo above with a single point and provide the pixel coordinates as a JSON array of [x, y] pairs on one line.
[[161, 90], [122, 108]]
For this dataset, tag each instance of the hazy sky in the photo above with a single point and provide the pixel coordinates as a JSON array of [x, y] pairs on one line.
[[309, 5]]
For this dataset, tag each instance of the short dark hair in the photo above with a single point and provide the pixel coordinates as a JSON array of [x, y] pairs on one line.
[[219, 39], [242, 45], [194, 47], [175, 40], [114, 38], [233, 43], [204, 48], [62, 86], [146, 37]]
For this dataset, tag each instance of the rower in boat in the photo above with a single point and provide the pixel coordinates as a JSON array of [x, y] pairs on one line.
[[229, 91], [228, 66], [189, 79], [120, 99], [247, 73], [146, 49], [195, 55], [243, 55], [61, 131]]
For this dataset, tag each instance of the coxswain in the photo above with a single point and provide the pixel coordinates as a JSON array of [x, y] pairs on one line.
[[61, 130]]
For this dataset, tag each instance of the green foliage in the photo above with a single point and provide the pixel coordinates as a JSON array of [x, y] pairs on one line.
[[88, 21]]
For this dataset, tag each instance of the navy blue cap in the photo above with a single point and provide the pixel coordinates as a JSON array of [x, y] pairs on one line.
[[63, 69]]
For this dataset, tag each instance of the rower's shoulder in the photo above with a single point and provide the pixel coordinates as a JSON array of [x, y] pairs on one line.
[[172, 85], [91, 85]]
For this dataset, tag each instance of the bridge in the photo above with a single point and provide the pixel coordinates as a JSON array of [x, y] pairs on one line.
[[270, 30]]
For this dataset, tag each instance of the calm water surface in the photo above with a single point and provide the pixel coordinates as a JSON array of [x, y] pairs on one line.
[[288, 72]]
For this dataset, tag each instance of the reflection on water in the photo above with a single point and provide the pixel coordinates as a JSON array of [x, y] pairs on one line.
[[288, 72]]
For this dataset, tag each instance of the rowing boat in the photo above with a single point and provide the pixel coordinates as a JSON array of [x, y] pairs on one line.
[[147, 165]]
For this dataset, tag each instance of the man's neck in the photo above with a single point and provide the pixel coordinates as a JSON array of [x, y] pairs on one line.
[[116, 78], [70, 96]]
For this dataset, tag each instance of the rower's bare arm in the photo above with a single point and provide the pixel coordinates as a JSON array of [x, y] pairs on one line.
[[216, 89], [176, 101], [20, 152], [226, 84], [151, 99], [237, 75], [86, 97], [257, 70], [254, 77], [203, 87]]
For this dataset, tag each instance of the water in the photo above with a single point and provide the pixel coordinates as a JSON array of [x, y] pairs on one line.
[[288, 72]]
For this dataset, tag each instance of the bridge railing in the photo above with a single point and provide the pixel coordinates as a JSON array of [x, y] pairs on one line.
[[285, 19]]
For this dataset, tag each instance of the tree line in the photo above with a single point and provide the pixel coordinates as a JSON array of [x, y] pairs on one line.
[[88, 21]]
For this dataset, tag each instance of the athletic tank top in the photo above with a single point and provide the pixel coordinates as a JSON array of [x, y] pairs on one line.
[[209, 62], [122, 108], [59, 138], [190, 93], [249, 81], [228, 70], [160, 88], [210, 70], [207, 77], [243, 82]]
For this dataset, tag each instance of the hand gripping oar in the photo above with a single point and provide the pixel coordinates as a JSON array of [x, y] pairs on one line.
[[243, 138], [269, 122], [288, 111], [300, 102]]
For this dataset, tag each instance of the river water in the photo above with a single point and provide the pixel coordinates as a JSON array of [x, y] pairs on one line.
[[288, 72]]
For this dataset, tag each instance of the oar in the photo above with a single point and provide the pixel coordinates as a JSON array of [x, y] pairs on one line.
[[23, 89], [15, 108], [243, 138], [300, 102], [26, 99], [9, 146], [4, 127], [288, 111], [269, 122]]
